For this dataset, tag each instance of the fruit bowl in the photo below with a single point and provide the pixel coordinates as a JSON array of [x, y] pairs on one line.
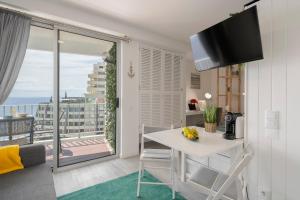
[[190, 133], [192, 139]]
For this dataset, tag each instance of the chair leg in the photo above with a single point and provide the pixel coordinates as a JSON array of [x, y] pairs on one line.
[[143, 170], [139, 179], [173, 175], [241, 188]]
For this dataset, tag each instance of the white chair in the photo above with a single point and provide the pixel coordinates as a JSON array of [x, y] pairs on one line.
[[216, 185], [156, 155]]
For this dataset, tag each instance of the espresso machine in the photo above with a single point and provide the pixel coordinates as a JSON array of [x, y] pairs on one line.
[[230, 123]]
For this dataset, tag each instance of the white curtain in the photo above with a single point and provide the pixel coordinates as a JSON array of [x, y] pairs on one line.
[[14, 34]]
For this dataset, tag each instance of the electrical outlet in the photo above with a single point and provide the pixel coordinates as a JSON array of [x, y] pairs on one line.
[[272, 120]]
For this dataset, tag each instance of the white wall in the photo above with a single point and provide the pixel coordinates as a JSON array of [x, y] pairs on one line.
[[272, 84], [205, 82], [209, 84], [129, 100]]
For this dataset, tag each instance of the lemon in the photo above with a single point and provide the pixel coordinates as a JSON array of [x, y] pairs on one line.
[[186, 131], [190, 133], [194, 132]]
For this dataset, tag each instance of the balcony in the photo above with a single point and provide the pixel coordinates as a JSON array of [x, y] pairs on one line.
[[77, 147], [82, 130]]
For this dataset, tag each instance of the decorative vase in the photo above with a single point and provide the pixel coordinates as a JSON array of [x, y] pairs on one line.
[[210, 127]]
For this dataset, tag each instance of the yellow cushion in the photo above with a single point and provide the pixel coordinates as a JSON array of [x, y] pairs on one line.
[[10, 159]]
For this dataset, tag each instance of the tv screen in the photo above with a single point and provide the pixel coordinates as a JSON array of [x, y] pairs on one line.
[[233, 41]]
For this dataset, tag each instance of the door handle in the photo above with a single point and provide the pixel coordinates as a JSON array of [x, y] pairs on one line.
[[117, 102]]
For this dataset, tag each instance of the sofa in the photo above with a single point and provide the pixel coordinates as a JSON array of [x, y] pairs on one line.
[[34, 182]]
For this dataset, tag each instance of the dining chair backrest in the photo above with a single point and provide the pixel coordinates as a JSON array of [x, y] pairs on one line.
[[236, 170], [150, 129]]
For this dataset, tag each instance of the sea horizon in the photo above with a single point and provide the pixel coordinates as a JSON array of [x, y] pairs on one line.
[[23, 104], [25, 100]]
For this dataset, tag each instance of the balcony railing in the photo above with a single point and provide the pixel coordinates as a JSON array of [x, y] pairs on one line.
[[82, 128], [77, 120]]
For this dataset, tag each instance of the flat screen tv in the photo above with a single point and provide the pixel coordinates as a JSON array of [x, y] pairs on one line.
[[233, 41]]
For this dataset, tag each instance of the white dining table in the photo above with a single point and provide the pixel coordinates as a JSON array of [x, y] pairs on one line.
[[208, 143]]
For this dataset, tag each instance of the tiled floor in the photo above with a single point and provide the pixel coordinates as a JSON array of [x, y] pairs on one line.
[[76, 179], [76, 150]]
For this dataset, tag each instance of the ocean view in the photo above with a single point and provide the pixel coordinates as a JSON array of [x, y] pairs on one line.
[[26, 100], [22, 104]]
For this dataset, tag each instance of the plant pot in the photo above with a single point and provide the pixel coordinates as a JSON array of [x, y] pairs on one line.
[[210, 127]]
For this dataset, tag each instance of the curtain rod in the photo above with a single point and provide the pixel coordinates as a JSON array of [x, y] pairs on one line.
[[44, 22]]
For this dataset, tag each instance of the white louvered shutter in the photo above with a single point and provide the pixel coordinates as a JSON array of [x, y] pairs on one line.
[[156, 70], [167, 109], [161, 94], [145, 108], [145, 86], [177, 73], [167, 89], [167, 74], [177, 91], [156, 86], [145, 64]]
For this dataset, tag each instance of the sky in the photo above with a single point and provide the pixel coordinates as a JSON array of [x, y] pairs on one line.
[[36, 75]]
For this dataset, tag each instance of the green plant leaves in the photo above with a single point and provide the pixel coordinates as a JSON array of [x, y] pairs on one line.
[[210, 114], [111, 95]]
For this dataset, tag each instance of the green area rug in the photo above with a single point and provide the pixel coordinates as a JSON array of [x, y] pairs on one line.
[[123, 188]]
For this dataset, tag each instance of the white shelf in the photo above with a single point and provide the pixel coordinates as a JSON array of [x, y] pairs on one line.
[[193, 112]]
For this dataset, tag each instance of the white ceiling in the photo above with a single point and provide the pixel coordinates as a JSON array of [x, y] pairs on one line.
[[177, 19]]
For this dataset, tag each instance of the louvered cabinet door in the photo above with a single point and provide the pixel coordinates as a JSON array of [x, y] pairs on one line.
[[160, 87], [167, 107], [167, 72], [156, 70], [145, 95], [156, 110], [176, 110], [145, 109], [156, 83], [177, 73], [177, 91], [145, 69]]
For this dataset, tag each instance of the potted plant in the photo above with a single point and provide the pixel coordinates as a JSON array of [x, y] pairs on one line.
[[210, 118]]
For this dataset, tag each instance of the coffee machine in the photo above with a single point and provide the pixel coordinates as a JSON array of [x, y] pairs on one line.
[[230, 122]]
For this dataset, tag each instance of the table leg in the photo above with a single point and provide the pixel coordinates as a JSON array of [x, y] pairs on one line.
[[183, 169]]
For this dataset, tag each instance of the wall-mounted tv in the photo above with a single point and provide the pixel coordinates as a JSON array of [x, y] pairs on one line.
[[233, 41]]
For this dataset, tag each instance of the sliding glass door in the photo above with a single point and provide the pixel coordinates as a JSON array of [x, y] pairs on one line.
[[87, 98], [31, 96], [67, 90]]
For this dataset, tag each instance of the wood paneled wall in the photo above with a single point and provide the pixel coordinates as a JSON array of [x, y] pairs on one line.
[[273, 84]]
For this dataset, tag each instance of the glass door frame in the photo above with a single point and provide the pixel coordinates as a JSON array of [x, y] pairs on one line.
[[56, 96]]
